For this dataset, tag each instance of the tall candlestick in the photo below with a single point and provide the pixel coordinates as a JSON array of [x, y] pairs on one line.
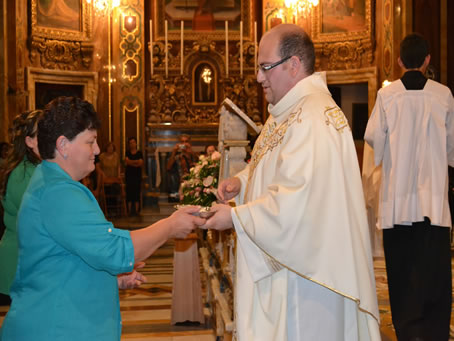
[[226, 48], [151, 48], [182, 48], [166, 49], [255, 46], [241, 48]]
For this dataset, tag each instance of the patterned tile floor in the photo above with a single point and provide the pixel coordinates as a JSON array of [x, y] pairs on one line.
[[146, 310]]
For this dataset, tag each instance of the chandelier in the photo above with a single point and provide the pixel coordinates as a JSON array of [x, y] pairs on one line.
[[300, 7], [103, 7]]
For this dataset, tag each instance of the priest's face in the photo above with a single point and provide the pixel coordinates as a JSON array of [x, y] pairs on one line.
[[273, 73]]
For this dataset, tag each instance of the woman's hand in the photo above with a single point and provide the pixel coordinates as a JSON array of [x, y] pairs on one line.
[[183, 221], [132, 279]]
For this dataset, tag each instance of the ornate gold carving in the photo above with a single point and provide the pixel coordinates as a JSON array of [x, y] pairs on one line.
[[64, 55], [55, 46], [130, 46], [172, 99], [344, 55], [340, 49]]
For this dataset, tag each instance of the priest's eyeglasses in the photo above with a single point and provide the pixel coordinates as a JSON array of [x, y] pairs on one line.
[[268, 67]]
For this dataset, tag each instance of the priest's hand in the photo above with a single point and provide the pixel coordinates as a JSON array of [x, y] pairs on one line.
[[132, 279], [222, 218], [228, 189]]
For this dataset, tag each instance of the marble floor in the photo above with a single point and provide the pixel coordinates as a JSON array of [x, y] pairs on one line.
[[146, 310]]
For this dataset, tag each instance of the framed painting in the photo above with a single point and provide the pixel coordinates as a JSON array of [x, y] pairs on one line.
[[61, 19], [202, 17], [340, 20]]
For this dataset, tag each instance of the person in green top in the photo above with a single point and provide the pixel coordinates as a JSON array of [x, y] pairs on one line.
[[14, 177]]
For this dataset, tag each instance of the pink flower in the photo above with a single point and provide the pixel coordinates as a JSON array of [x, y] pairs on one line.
[[208, 181], [216, 156]]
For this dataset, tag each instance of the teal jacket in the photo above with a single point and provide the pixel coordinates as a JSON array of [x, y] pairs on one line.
[[69, 258]]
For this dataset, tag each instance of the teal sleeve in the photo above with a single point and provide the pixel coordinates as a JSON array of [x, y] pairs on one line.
[[75, 221]]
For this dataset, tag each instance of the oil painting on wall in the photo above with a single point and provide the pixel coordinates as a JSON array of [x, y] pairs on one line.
[[59, 14], [343, 15]]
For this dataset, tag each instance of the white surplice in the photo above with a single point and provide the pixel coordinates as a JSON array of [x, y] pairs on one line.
[[412, 133], [304, 265]]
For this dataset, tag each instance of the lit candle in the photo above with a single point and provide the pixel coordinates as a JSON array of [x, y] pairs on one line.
[[166, 49], [255, 46], [182, 48], [226, 48], [151, 47], [241, 48]]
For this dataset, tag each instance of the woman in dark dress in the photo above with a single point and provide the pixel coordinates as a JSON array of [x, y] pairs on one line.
[[133, 176]]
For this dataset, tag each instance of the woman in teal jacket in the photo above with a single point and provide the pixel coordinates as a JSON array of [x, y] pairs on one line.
[[72, 261], [14, 178]]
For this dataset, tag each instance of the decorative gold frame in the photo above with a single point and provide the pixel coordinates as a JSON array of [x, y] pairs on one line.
[[84, 34], [365, 35], [159, 16]]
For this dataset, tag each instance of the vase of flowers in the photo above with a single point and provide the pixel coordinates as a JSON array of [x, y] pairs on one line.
[[199, 187]]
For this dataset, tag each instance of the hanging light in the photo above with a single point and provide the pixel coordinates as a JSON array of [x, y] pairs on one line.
[[102, 7], [300, 7]]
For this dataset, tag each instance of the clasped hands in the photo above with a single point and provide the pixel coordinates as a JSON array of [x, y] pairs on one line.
[[221, 218]]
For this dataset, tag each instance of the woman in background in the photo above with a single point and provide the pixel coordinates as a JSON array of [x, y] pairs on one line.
[[108, 170], [14, 178], [109, 161], [133, 176]]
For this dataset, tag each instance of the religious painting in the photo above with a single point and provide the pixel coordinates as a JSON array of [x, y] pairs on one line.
[[202, 17], [59, 14], [343, 15], [342, 20], [61, 19]]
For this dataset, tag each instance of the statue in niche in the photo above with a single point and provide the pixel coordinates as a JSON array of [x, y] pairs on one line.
[[204, 84]]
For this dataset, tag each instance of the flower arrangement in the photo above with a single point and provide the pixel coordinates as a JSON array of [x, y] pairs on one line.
[[200, 185]]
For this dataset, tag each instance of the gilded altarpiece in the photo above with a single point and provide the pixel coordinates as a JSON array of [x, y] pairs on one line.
[[186, 95]]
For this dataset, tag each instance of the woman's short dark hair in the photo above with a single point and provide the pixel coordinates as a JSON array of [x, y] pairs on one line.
[[413, 50], [64, 116]]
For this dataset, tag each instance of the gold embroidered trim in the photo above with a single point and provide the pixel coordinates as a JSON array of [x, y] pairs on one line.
[[271, 136], [357, 300], [336, 118]]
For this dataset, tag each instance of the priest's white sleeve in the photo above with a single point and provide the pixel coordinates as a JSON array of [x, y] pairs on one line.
[[259, 265]]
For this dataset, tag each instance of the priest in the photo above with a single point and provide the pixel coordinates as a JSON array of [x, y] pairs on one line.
[[304, 265]]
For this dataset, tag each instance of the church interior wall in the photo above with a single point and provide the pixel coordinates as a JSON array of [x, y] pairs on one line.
[[132, 101]]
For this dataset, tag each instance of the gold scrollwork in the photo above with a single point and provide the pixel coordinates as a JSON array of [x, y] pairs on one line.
[[64, 55]]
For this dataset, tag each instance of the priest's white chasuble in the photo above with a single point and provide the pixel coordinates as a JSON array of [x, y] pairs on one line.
[[304, 265]]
